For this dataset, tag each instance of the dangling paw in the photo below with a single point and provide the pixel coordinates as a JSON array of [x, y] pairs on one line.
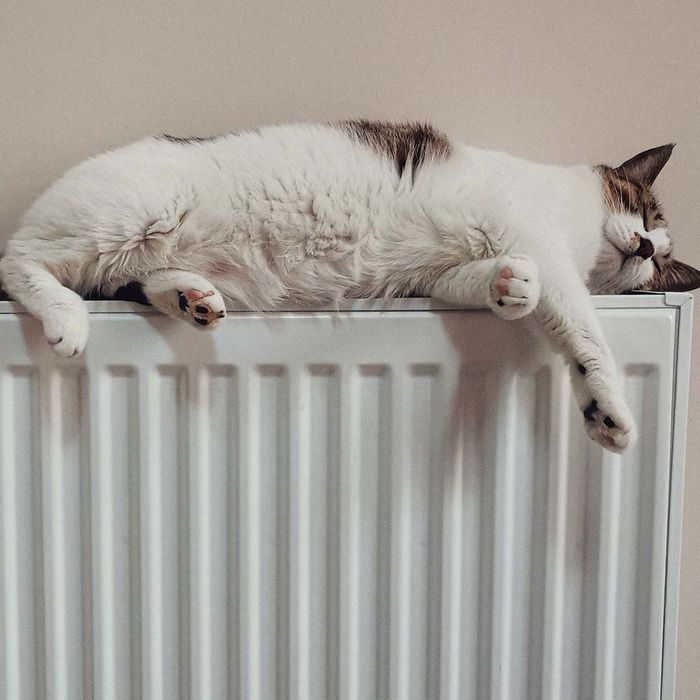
[[201, 309], [514, 290], [607, 419], [609, 425], [66, 329]]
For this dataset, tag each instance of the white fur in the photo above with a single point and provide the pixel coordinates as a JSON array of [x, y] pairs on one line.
[[306, 213]]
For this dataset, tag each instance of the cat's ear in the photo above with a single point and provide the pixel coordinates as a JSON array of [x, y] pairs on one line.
[[675, 276], [645, 166]]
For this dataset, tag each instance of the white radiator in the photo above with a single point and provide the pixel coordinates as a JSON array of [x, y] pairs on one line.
[[383, 502]]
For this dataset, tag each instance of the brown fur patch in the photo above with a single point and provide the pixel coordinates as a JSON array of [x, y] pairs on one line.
[[674, 276], [132, 291], [630, 197], [186, 140], [408, 144], [621, 194], [645, 166]]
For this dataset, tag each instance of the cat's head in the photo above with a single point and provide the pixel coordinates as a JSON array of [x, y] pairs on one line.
[[636, 251]]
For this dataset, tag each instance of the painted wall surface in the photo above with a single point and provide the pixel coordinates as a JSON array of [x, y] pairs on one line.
[[550, 80]]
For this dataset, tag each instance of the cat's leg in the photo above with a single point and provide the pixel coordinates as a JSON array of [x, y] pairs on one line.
[[569, 317], [508, 284], [512, 287], [61, 311], [184, 295]]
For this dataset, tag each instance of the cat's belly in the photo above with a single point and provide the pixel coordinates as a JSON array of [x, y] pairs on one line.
[[310, 247]]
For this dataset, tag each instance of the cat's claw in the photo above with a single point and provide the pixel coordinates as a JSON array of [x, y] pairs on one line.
[[515, 289], [66, 329], [203, 309]]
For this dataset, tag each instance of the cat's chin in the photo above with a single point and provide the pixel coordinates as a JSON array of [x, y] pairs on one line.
[[636, 272]]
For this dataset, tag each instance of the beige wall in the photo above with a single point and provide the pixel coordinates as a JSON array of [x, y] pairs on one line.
[[551, 80]]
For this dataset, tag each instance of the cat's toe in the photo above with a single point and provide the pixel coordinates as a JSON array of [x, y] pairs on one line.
[[609, 424], [67, 331], [514, 289], [203, 309]]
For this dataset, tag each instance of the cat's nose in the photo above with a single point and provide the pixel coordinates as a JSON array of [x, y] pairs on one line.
[[646, 248]]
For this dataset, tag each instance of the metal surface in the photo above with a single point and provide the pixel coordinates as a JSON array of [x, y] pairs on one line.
[[375, 502]]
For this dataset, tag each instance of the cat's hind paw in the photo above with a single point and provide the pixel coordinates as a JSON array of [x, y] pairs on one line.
[[514, 290], [610, 425], [203, 309]]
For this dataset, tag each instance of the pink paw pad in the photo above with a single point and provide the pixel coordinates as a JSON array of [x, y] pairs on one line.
[[191, 302], [502, 288], [195, 294]]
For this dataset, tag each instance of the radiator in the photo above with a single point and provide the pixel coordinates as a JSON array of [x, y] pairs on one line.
[[386, 501]]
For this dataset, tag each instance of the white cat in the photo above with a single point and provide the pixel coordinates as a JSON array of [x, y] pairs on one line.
[[314, 213]]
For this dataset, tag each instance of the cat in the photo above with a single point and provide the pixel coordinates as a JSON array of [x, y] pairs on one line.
[[312, 213]]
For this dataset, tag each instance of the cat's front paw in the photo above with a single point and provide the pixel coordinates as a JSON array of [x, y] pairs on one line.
[[609, 422], [203, 309], [66, 329], [606, 416], [514, 289]]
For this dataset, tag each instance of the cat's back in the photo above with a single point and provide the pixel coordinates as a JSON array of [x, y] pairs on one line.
[[301, 147], [277, 162]]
